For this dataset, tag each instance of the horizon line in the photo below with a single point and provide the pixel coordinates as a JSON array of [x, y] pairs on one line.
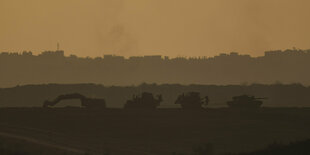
[[233, 53]]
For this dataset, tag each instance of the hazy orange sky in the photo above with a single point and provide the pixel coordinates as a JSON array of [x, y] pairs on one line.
[[144, 27]]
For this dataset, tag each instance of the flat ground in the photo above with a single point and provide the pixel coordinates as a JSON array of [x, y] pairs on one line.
[[161, 131], [21, 145]]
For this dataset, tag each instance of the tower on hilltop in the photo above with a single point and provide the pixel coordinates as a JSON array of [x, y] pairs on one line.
[[58, 46]]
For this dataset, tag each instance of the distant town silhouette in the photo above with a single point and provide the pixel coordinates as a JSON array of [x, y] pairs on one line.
[[288, 66]]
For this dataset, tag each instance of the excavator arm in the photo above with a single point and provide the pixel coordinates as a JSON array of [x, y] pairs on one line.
[[63, 97], [85, 102]]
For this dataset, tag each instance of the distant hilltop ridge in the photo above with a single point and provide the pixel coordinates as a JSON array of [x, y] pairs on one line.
[[288, 66], [61, 53]]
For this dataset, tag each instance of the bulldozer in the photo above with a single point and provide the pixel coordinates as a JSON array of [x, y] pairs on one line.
[[145, 101], [191, 100], [85, 101], [245, 101]]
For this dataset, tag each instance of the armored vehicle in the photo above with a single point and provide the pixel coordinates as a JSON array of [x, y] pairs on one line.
[[191, 100], [145, 101], [245, 101]]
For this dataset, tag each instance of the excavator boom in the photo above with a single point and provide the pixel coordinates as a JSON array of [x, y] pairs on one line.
[[85, 102]]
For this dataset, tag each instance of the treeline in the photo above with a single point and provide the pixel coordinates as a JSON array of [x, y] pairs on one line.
[[289, 66], [279, 95]]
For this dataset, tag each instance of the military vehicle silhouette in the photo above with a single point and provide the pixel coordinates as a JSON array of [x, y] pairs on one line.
[[145, 101], [191, 100], [245, 101], [85, 101]]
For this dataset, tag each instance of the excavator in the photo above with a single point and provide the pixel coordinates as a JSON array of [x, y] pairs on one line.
[[85, 101]]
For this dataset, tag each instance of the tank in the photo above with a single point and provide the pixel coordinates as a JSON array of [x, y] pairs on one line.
[[245, 101]]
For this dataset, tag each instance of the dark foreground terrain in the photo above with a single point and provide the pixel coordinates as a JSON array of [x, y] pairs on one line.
[[161, 131]]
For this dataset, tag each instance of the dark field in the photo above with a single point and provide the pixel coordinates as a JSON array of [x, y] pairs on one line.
[[161, 131], [11, 146]]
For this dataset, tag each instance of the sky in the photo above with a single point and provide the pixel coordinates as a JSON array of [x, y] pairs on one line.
[[154, 27]]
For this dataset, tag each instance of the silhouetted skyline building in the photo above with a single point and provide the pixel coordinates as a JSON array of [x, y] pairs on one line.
[[288, 66]]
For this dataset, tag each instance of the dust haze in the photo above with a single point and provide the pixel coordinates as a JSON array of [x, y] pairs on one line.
[[145, 27], [141, 77]]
